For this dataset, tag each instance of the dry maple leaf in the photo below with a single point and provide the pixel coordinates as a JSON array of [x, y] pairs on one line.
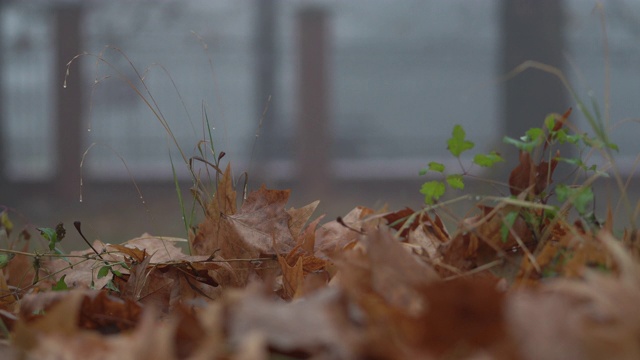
[[259, 229], [263, 223], [299, 217]]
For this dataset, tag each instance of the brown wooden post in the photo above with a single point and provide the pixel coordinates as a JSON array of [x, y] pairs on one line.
[[265, 51], [531, 30], [68, 101], [313, 140], [3, 127]]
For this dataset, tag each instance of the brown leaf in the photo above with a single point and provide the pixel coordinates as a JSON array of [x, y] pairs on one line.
[[425, 241], [461, 317], [138, 274], [7, 297], [224, 201], [292, 277], [260, 228], [108, 314], [61, 317], [395, 273], [84, 273], [397, 219], [307, 240], [299, 217], [544, 174], [152, 340], [81, 309], [168, 284], [136, 254], [566, 256], [569, 319], [19, 273], [332, 237], [560, 121], [160, 248], [529, 175], [318, 326], [521, 177], [479, 241], [263, 222], [215, 229]]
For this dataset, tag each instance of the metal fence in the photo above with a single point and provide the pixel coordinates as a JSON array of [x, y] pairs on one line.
[[401, 76]]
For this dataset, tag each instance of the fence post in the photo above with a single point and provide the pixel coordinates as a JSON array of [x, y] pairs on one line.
[[313, 139], [68, 101], [531, 30], [265, 50], [4, 151]]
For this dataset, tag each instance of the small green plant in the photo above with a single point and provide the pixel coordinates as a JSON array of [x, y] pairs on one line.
[[536, 142], [457, 144], [111, 268], [530, 182], [53, 236]]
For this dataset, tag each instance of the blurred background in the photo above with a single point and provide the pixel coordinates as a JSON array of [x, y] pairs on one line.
[[341, 101]]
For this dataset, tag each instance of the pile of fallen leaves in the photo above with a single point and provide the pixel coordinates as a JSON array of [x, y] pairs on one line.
[[263, 281]]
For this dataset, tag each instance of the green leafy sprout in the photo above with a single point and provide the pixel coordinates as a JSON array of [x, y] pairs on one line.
[[456, 144], [538, 142]]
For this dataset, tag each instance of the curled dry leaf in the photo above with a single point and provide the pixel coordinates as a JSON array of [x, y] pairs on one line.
[[332, 237], [529, 175], [407, 220]]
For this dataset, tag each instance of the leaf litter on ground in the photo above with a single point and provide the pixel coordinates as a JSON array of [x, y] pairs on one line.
[[262, 281]]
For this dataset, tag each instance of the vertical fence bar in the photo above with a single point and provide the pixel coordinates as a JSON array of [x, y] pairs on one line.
[[68, 101], [313, 139]]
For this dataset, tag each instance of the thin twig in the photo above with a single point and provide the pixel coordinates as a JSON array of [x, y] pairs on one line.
[[77, 225]]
